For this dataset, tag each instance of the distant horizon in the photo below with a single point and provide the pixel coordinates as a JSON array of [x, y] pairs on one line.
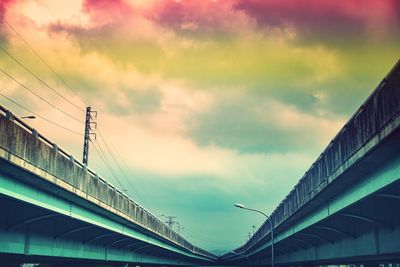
[[203, 103]]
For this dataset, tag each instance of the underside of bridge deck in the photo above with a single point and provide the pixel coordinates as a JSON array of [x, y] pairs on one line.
[[32, 234], [367, 231], [357, 222], [42, 226]]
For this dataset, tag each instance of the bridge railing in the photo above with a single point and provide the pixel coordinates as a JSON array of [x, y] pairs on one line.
[[371, 120], [25, 142]]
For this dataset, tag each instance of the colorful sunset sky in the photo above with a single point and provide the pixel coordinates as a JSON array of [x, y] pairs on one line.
[[204, 103]]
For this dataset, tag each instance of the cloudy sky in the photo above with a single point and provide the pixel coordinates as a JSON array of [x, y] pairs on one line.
[[203, 103]]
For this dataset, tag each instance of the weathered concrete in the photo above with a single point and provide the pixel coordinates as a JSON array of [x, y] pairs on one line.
[[336, 212], [24, 147], [374, 121]]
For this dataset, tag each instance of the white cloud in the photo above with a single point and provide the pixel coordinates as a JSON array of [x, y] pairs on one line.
[[47, 11], [311, 128]]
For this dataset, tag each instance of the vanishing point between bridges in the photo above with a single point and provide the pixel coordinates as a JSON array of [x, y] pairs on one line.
[[344, 210]]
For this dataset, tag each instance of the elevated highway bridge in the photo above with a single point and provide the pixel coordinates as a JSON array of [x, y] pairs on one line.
[[346, 207], [53, 208]]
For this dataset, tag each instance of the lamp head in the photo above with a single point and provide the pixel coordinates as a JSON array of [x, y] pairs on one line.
[[28, 117], [238, 205]]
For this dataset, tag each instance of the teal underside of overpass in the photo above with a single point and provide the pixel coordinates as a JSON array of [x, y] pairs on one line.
[[39, 224], [358, 224]]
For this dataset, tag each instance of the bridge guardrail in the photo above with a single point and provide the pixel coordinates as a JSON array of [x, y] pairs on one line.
[[25, 142], [378, 111]]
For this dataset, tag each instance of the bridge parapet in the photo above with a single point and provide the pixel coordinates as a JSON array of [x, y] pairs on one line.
[[23, 142], [375, 120]]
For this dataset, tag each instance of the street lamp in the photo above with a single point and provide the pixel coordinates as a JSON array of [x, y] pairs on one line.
[[241, 206], [28, 117]]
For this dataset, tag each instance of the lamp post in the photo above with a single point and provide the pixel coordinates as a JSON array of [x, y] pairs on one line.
[[241, 206]]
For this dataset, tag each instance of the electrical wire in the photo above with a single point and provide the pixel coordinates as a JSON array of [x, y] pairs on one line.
[[100, 153], [38, 78], [110, 151], [40, 116], [103, 157], [48, 65], [40, 97]]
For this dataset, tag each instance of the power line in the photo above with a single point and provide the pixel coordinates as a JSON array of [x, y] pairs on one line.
[[63, 81], [135, 176], [101, 153], [115, 161], [40, 116], [73, 91], [37, 95], [44, 62], [103, 157], [105, 160], [39, 79]]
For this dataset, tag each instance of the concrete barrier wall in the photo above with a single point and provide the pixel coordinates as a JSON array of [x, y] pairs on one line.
[[24, 142], [376, 119]]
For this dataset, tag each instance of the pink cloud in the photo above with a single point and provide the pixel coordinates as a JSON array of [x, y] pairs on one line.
[[106, 11], [312, 17], [4, 5], [105, 17], [309, 17], [201, 16]]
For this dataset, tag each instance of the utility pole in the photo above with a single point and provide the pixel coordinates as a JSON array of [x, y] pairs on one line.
[[254, 229], [89, 131]]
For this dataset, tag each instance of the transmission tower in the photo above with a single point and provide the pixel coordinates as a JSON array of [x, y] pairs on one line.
[[170, 221]]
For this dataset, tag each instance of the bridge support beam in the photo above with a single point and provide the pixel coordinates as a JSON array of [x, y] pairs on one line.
[[49, 228], [333, 229]]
